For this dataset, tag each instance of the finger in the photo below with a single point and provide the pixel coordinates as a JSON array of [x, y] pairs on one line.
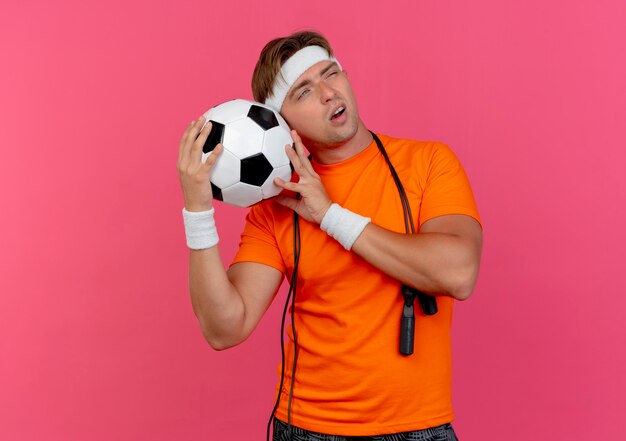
[[195, 153], [301, 151], [192, 131], [286, 185], [299, 146], [186, 133], [182, 145], [294, 158], [190, 137], [211, 160]]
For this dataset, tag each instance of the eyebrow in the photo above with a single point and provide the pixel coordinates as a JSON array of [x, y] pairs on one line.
[[303, 83]]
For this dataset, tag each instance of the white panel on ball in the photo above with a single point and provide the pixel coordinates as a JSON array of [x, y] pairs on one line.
[[254, 151], [226, 171], [269, 189], [274, 146], [242, 195], [246, 135], [232, 111]]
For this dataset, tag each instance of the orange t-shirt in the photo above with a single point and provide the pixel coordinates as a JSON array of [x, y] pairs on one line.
[[350, 377]]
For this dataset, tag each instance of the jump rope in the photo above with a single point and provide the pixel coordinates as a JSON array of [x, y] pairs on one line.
[[427, 302]]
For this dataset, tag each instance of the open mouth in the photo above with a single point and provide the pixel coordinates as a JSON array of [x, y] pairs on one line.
[[338, 112]]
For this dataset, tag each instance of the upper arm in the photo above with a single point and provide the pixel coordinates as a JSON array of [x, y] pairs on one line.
[[257, 285], [469, 238], [459, 225]]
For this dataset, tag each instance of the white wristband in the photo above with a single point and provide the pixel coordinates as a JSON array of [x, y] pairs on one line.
[[200, 229], [343, 225]]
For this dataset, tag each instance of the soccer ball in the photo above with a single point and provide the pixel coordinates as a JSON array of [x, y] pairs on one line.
[[254, 138]]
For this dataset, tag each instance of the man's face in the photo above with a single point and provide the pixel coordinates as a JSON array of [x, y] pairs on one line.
[[321, 106]]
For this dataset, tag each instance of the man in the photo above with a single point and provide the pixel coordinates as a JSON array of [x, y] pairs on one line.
[[350, 378]]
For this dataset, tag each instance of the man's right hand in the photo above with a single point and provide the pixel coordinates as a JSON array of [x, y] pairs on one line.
[[228, 305], [194, 175]]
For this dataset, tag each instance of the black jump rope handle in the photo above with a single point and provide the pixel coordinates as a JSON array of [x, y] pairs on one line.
[[407, 322]]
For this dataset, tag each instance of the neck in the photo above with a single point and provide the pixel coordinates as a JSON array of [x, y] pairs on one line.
[[332, 154]]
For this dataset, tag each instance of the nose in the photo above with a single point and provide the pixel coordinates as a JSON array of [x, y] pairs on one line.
[[327, 93]]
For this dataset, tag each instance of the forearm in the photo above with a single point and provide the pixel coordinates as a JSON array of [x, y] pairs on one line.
[[432, 262], [442, 259], [228, 305], [216, 301]]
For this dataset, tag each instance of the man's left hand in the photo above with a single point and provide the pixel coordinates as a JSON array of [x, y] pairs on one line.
[[314, 201]]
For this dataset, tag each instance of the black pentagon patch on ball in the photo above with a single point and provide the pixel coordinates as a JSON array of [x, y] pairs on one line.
[[215, 137], [217, 192], [263, 117], [255, 169]]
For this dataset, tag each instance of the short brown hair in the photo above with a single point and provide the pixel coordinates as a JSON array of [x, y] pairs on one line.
[[275, 54]]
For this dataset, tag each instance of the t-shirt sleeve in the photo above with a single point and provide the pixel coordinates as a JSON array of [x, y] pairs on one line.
[[446, 189], [258, 240]]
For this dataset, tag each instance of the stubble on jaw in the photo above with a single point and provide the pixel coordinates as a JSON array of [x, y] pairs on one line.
[[333, 137]]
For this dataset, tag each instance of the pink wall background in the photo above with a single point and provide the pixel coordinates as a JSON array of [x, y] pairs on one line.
[[97, 337]]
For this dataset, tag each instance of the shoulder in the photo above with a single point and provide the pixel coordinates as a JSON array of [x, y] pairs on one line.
[[268, 210], [413, 146], [418, 154]]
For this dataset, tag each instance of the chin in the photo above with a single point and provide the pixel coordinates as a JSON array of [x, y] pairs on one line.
[[347, 132]]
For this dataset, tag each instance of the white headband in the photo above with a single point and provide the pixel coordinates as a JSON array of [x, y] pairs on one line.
[[295, 66]]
